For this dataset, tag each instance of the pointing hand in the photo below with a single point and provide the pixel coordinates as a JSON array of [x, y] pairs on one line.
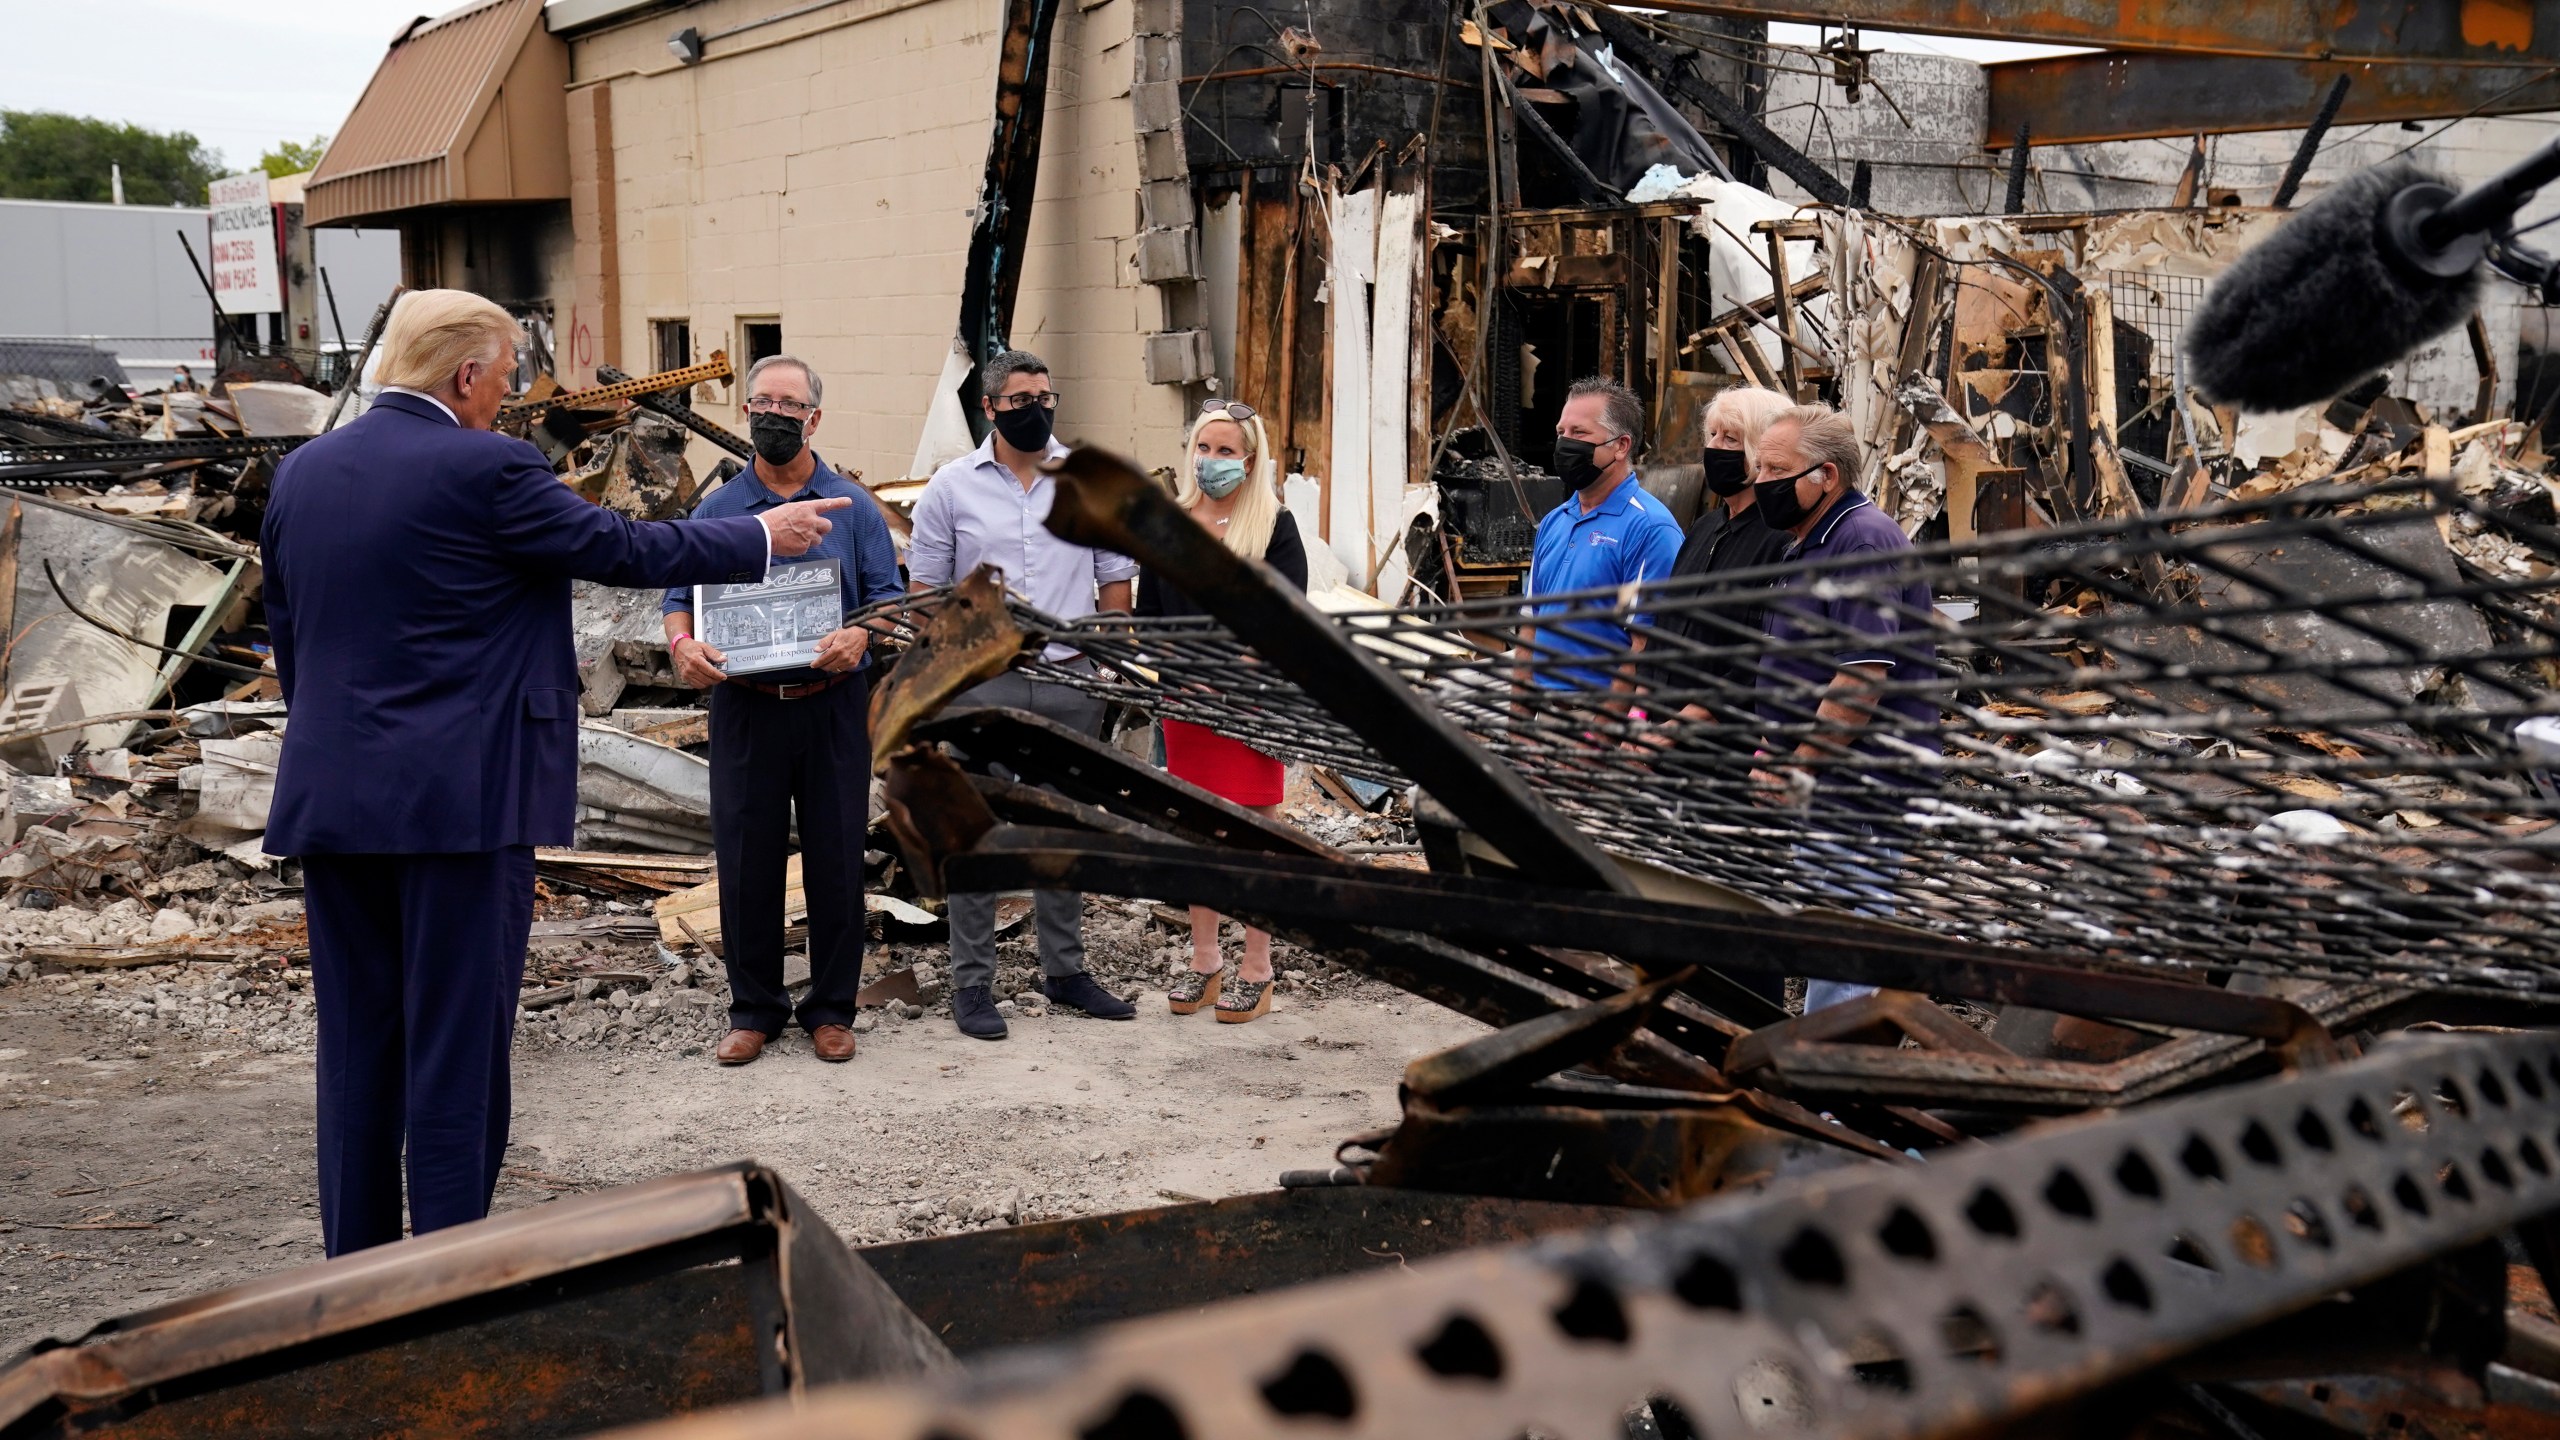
[[802, 523]]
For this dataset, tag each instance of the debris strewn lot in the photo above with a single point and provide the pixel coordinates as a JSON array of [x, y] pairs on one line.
[[163, 1112]]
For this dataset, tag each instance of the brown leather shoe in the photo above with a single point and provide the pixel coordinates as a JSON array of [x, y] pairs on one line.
[[832, 1042], [739, 1046]]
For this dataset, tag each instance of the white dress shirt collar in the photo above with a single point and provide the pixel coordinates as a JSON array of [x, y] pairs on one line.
[[423, 395]]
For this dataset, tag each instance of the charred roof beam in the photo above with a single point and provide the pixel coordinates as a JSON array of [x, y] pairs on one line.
[[2468, 32], [1680, 77], [2078, 99]]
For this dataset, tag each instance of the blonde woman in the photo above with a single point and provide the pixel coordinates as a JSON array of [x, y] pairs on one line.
[[1229, 485]]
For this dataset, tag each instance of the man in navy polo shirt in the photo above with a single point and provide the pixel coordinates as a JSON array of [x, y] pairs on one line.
[[1850, 668], [1608, 534], [791, 740]]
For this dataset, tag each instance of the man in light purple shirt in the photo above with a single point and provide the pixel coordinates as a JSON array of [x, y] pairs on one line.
[[987, 508]]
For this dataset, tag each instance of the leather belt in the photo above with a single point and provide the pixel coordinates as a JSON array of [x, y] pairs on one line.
[[799, 691]]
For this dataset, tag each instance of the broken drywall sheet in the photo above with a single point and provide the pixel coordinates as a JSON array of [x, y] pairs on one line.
[[2201, 243], [268, 407], [1419, 503], [1738, 261], [1350, 262], [1391, 372], [2261, 438], [946, 435], [640, 794], [124, 580], [1872, 270]]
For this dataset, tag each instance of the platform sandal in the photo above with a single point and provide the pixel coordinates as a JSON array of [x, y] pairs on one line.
[[1194, 989], [1248, 1000]]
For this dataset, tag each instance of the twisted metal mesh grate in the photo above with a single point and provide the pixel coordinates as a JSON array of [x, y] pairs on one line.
[[2281, 737]]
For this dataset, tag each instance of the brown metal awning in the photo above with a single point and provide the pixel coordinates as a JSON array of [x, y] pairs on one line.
[[468, 108]]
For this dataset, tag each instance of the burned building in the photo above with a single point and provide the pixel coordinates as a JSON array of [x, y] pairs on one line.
[[1400, 230]]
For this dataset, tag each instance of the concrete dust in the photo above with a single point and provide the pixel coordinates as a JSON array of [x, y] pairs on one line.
[[168, 1110]]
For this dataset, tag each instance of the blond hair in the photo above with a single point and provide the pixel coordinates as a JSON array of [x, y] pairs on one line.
[[1257, 502], [432, 332], [1823, 437], [1751, 408]]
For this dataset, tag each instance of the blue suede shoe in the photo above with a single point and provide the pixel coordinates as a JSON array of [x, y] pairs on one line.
[[973, 1008], [1079, 991]]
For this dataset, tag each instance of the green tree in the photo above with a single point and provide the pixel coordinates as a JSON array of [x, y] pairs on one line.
[[45, 155], [289, 158]]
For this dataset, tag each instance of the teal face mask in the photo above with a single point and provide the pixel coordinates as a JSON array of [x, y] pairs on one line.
[[1219, 477]]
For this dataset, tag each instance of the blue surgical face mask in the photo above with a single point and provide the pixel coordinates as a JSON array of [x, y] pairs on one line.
[[1218, 476]]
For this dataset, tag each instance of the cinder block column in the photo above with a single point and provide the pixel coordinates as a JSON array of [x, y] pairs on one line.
[[1169, 243]]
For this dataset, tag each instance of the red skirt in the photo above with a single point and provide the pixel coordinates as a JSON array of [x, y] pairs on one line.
[[1229, 769]]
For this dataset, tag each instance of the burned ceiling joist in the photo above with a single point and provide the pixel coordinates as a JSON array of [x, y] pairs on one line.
[[2085, 99], [2428, 31]]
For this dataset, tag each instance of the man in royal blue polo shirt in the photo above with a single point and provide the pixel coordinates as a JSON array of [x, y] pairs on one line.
[[1851, 667], [1608, 534], [787, 740]]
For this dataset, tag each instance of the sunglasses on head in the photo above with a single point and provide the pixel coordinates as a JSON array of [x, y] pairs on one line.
[[1232, 409]]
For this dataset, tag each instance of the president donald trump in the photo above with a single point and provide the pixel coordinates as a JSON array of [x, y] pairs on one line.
[[417, 588]]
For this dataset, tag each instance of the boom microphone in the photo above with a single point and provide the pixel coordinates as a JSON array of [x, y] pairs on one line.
[[2349, 284]]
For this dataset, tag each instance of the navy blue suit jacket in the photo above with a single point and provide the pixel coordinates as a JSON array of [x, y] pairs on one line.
[[417, 587]]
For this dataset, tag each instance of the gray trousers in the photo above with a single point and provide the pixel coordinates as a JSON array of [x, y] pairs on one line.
[[1059, 914]]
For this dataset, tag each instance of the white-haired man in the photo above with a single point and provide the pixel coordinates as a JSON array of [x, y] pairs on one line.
[[417, 586]]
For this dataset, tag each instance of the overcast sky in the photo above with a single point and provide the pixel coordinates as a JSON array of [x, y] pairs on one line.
[[239, 74], [245, 74]]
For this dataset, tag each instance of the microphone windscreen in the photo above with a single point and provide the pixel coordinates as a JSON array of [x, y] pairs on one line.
[[2319, 305]]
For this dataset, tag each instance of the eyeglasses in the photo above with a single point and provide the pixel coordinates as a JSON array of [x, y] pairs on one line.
[[1045, 399], [1232, 409], [774, 405]]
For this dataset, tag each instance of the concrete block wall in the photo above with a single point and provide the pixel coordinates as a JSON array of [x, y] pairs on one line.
[[828, 178], [1918, 126]]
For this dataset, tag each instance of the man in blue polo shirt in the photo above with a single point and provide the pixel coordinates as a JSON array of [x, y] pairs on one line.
[[787, 740], [1851, 668], [1608, 534]]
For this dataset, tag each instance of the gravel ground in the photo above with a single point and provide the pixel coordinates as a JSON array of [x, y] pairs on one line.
[[155, 1123]]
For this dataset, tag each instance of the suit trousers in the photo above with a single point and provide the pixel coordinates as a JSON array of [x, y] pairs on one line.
[[771, 757], [415, 963], [1059, 914]]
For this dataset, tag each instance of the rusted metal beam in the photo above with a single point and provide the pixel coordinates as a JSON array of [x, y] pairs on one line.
[[1943, 1299], [1105, 501], [2472, 32], [1061, 1276], [596, 397], [938, 815], [1084, 769], [1680, 78], [674, 1295], [969, 639], [1639, 932], [1819, 1058], [2078, 99], [1003, 226]]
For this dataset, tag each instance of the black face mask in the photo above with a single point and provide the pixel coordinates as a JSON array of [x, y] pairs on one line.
[[1726, 473], [1778, 502], [1026, 429], [778, 438], [1574, 463]]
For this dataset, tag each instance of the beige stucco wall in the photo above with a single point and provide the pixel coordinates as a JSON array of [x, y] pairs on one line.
[[826, 176]]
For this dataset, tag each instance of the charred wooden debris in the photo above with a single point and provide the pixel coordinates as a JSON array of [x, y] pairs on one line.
[[142, 719], [2207, 1082], [2204, 882]]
